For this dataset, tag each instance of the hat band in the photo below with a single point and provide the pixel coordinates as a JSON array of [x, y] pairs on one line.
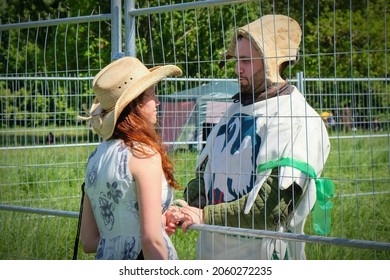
[[88, 116]]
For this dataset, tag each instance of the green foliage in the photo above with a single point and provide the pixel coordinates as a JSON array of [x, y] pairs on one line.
[[194, 39], [340, 39], [343, 39], [346, 41]]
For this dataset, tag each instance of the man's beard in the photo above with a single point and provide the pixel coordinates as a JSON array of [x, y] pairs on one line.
[[255, 85]]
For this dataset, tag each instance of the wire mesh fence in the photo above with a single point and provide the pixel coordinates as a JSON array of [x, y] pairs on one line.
[[46, 74]]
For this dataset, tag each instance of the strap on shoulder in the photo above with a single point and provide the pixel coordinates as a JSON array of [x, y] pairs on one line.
[[76, 242]]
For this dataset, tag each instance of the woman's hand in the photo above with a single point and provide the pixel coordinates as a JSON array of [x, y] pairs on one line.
[[182, 216], [170, 226]]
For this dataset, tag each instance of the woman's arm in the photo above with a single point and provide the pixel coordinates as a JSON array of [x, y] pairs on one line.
[[148, 177], [89, 233]]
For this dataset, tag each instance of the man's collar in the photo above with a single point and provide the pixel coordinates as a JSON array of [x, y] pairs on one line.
[[275, 90]]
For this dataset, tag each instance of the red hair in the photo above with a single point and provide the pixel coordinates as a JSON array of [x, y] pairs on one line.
[[134, 128]]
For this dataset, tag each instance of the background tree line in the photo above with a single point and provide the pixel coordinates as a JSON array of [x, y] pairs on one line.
[[341, 39]]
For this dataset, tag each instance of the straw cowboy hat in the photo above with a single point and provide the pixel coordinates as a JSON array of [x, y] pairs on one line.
[[116, 85], [277, 37]]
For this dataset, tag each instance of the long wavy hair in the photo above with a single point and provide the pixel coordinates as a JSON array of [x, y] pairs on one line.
[[134, 129]]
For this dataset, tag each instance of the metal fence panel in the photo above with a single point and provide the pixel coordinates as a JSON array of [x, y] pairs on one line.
[[43, 148]]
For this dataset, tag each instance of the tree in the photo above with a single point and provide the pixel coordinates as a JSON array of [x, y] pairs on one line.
[[340, 39]]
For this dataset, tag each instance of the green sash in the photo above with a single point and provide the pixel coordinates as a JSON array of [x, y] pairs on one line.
[[324, 190]]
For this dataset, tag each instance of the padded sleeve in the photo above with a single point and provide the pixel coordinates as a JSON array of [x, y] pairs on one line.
[[272, 206]]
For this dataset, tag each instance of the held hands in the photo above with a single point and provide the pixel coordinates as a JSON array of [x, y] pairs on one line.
[[180, 214]]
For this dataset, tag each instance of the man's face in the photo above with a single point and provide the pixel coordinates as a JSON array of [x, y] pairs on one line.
[[249, 67]]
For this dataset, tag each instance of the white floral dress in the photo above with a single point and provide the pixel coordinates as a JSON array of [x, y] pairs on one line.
[[112, 191]]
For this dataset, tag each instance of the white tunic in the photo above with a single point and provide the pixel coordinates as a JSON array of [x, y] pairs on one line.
[[247, 136]]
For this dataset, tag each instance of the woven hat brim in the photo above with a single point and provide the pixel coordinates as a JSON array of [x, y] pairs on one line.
[[104, 126]]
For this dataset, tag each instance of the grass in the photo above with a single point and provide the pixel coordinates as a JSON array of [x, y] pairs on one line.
[[50, 178]]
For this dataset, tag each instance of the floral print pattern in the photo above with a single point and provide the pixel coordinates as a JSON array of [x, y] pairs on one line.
[[113, 193], [92, 177], [129, 253], [132, 206], [107, 212]]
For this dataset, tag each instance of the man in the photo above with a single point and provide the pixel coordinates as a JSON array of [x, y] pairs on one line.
[[347, 118], [252, 172]]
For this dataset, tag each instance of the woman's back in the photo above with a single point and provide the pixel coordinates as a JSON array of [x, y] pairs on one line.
[[112, 191]]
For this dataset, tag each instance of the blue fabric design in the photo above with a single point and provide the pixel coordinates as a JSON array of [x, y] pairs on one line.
[[238, 128]]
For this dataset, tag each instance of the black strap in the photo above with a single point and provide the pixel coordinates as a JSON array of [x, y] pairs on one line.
[[76, 242], [140, 256]]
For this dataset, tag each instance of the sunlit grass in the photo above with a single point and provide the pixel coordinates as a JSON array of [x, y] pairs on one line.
[[50, 178]]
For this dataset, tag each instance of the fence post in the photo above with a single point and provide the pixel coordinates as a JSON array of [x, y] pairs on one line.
[[129, 29], [116, 29]]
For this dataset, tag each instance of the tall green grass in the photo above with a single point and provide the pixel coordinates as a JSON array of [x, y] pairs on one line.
[[50, 178]]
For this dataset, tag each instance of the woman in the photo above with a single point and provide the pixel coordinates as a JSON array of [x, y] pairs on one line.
[[129, 178]]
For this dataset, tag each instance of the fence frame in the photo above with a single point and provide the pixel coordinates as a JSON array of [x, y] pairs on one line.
[[130, 12]]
